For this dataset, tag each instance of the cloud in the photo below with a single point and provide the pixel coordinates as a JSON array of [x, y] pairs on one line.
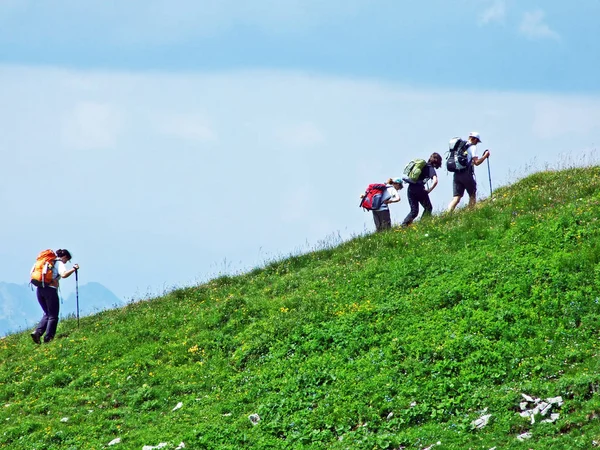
[[190, 127], [571, 117], [91, 126], [291, 153], [534, 27], [496, 12]]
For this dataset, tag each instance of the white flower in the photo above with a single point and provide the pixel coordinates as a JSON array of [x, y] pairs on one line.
[[115, 441]]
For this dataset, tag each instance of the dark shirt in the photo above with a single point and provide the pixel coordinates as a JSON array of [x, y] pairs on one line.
[[427, 174]]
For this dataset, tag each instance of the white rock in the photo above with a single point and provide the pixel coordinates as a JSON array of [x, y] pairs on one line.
[[544, 407], [149, 447], [553, 418], [555, 400], [523, 406], [482, 421], [528, 398], [115, 441], [180, 446], [179, 405], [524, 436]]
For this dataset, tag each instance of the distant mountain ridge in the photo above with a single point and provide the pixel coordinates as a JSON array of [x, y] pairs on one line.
[[19, 308]]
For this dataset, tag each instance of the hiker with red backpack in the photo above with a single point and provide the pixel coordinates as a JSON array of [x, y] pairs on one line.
[[418, 173], [377, 197], [462, 159], [49, 267]]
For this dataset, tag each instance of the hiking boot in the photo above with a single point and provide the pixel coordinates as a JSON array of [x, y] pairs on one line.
[[36, 337]]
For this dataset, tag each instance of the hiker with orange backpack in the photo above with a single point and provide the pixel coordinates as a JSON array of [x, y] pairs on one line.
[[377, 197], [49, 267]]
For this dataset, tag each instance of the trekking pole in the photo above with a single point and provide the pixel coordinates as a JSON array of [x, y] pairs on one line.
[[77, 294], [490, 177]]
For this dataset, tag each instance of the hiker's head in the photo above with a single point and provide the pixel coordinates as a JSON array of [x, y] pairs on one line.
[[64, 255], [396, 182], [474, 137], [435, 160]]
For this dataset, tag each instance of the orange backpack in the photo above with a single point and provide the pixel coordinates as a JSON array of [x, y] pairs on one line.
[[41, 275]]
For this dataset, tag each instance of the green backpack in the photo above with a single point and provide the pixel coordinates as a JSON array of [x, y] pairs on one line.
[[413, 170]]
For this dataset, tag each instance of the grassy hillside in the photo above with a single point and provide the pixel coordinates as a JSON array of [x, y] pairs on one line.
[[395, 340]]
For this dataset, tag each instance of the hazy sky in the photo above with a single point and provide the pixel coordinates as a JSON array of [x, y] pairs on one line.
[[165, 142]]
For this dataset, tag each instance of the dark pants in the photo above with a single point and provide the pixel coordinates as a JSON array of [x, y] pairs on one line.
[[417, 194], [48, 300], [382, 219], [464, 180]]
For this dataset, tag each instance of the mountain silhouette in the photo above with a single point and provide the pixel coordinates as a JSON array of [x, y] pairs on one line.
[[19, 308]]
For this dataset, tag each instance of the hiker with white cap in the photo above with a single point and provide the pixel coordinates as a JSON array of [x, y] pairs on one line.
[[464, 178]]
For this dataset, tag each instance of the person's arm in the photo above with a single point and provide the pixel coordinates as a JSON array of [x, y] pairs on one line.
[[394, 196], [477, 160], [68, 272], [434, 180]]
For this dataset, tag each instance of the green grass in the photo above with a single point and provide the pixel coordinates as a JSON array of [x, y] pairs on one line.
[[394, 340]]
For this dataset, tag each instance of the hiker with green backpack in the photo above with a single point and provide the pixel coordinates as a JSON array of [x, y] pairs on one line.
[[417, 173], [461, 160]]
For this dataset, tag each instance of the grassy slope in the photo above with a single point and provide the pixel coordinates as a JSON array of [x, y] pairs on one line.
[[451, 316]]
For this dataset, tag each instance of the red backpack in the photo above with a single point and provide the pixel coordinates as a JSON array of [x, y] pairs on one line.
[[373, 198]]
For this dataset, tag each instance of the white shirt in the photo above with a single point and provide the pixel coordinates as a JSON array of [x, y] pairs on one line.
[[472, 152], [389, 194], [58, 270]]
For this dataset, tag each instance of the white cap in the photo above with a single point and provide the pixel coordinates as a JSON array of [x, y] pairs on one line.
[[475, 134]]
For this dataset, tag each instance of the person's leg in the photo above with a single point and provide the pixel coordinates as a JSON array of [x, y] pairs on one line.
[[377, 221], [413, 202], [53, 304], [472, 201], [458, 190], [41, 327], [386, 219], [471, 187], [454, 203], [425, 201]]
